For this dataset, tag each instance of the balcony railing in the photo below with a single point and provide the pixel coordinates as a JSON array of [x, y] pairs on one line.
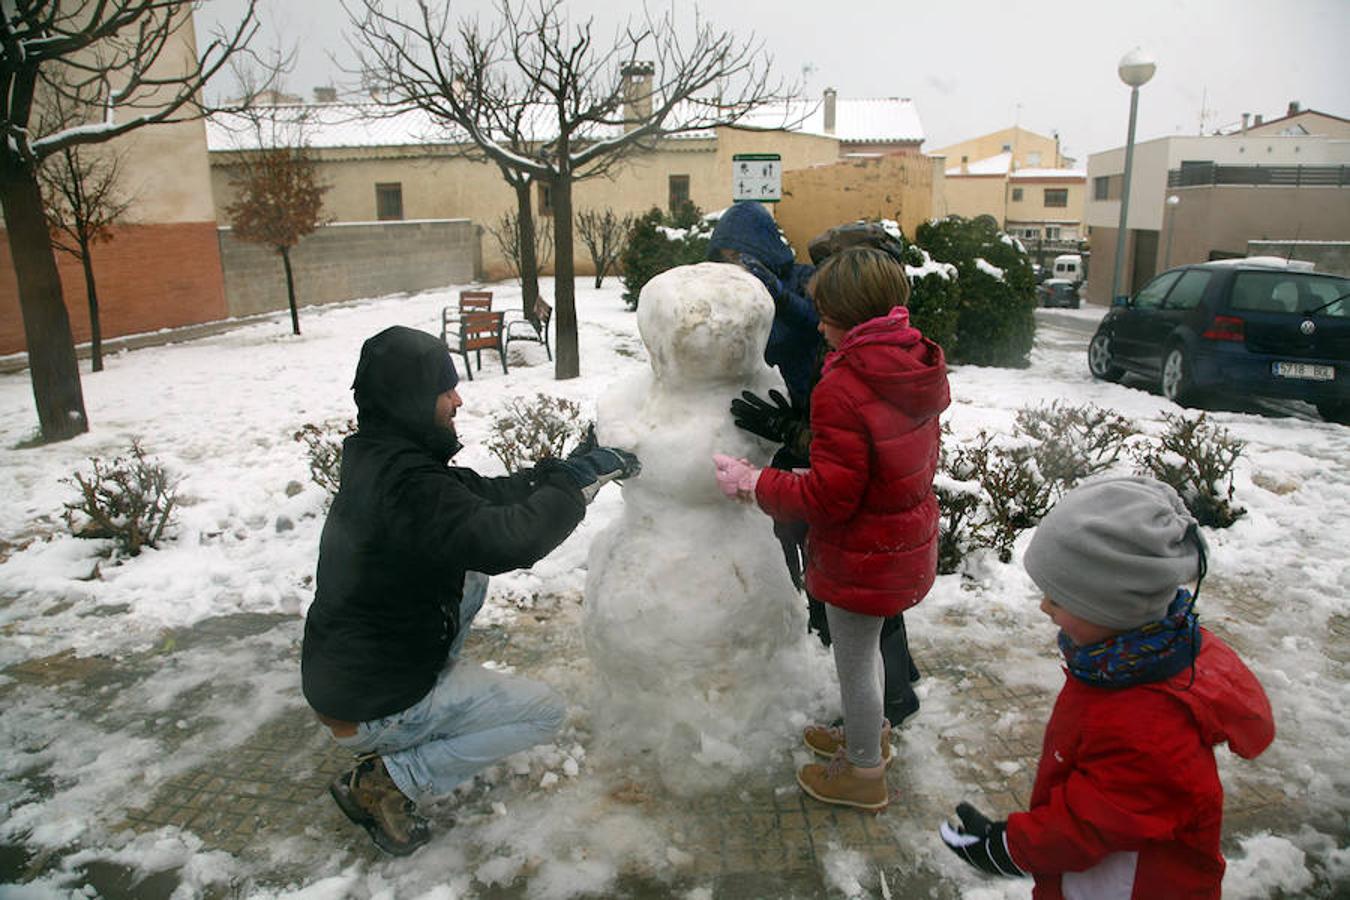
[[1205, 174]]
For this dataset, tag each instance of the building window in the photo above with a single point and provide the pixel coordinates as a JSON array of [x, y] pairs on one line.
[[1017, 195], [1107, 187], [545, 199], [679, 192], [1056, 196], [389, 201], [1007, 148], [1034, 158], [1052, 232]]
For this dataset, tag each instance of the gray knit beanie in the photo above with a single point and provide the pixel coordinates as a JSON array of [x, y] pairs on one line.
[[1115, 551]]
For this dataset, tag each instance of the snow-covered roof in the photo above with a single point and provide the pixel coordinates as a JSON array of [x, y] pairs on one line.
[[857, 120], [1078, 174], [333, 125], [990, 165]]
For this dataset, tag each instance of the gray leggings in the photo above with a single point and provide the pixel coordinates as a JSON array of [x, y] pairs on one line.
[[857, 659]]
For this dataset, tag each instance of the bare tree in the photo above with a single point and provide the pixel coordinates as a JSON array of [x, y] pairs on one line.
[[507, 233], [113, 62], [604, 234], [84, 198], [279, 199], [580, 108]]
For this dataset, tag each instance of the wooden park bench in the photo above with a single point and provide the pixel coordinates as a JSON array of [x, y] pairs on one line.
[[522, 329]]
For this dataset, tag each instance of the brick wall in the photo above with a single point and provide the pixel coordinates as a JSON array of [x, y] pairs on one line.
[[148, 277], [346, 261]]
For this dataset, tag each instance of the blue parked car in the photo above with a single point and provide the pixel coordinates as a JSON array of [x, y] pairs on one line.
[[1239, 328]]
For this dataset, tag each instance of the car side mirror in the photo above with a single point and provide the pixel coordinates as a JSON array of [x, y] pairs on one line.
[[1121, 300]]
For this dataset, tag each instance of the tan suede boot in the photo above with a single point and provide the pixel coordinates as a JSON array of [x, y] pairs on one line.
[[842, 784], [369, 797], [826, 740]]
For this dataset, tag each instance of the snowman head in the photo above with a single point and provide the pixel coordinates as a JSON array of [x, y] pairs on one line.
[[704, 323]]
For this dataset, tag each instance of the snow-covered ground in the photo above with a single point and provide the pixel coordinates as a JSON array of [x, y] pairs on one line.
[[221, 412]]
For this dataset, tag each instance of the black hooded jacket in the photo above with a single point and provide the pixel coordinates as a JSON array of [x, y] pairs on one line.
[[403, 530]]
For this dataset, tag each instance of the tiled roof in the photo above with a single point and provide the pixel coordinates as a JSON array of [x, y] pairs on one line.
[[1079, 174], [990, 165]]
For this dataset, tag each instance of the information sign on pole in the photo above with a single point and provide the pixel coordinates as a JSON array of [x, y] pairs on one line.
[[757, 176]]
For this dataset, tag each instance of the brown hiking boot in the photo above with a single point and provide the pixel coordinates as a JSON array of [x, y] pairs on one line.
[[369, 797], [827, 740], [839, 783]]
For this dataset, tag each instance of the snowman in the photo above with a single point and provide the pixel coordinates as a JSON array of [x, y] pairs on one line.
[[694, 629]]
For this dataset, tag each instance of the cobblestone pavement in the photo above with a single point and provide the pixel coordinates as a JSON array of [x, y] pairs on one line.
[[763, 839]]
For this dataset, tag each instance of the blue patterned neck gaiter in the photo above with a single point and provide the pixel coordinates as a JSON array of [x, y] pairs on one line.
[[1154, 652]]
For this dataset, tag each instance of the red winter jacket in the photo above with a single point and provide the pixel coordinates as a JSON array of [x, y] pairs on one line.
[[1127, 802], [868, 495]]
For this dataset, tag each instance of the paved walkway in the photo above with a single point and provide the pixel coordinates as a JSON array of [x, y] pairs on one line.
[[763, 839]]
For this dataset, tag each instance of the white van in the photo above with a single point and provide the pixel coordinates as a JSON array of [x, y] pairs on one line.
[[1069, 267]]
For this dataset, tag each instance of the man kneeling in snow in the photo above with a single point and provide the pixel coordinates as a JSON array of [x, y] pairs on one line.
[[399, 581]]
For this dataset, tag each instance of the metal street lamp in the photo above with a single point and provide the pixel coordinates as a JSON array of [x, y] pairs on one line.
[[1172, 202], [1135, 69]]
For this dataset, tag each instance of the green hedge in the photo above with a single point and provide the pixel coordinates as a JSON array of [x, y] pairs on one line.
[[659, 242]]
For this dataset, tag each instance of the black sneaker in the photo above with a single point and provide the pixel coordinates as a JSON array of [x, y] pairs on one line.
[[369, 797], [901, 712]]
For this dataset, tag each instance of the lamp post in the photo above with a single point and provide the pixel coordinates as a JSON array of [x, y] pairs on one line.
[[1135, 69], [1172, 202]]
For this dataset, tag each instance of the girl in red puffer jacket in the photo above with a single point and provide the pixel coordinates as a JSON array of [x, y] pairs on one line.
[[867, 497]]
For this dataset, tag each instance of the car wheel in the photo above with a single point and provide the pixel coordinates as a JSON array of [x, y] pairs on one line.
[[1331, 411], [1176, 381], [1100, 361]]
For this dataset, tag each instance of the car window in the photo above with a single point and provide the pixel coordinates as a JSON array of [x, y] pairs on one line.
[[1151, 297], [1189, 290], [1289, 292]]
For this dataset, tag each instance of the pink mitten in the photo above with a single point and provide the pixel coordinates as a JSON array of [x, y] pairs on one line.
[[736, 477]]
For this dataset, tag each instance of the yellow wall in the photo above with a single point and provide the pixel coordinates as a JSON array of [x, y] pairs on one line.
[[898, 186], [1313, 122], [1031, 208], [1025, 144], [438, 186], [975, 195]]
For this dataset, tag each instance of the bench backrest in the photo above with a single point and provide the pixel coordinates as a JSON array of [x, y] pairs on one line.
[[480, 300], [480, 330]]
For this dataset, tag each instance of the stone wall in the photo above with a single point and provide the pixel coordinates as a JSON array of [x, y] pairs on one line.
[[346, 261]]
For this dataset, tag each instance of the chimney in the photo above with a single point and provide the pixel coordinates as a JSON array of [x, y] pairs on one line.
[[325, 95], [1257, 120], [829, 110], [965, 164], [1294, 108], [637, 92], [1245, 117]]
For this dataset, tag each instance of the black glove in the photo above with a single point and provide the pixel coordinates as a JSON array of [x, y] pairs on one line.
[[596, 467], [761, 271], [980, 842], [779, 421], [587, 444]]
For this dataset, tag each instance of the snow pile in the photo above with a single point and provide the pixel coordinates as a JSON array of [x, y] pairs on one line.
[[930, 266], [1269, 866], [689, 610]]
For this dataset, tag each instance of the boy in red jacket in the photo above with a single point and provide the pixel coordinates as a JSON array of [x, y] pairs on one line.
[[1127, 800], [867, 497]]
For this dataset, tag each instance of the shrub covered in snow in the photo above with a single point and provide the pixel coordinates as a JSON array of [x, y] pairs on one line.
[[658, 242], [527, 431], [1071, 443], [323, 446], [995, 325], [1196, 457], [128, 499]]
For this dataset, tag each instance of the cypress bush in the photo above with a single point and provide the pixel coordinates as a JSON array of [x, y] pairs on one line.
[[658, 242]]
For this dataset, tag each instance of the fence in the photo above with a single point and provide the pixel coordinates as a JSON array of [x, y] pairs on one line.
[[1207, 173]]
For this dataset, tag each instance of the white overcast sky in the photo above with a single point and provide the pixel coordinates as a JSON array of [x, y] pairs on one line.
[[974, 66]]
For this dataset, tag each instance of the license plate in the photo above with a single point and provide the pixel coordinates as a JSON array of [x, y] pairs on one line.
[[1308, 371]]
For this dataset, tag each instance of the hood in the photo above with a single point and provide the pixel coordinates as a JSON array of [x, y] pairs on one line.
[[897, 362], [748, 228], [1228, 703], [401, 373]]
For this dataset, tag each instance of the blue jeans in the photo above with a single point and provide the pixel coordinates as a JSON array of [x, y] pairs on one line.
[[470, 719]]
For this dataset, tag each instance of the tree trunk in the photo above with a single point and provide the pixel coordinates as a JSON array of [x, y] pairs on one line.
[[566, 353], [290, 288], [52, 364], [91, 292], [529, 262]]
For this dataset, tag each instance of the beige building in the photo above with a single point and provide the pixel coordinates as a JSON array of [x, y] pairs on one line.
[[1021, 179], [1229, 189], [403, 168], [162, 268]]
